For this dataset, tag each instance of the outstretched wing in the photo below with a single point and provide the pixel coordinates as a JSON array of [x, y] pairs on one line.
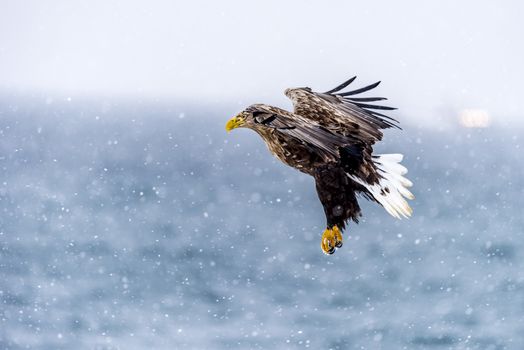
[[303, 130], [342, 112]]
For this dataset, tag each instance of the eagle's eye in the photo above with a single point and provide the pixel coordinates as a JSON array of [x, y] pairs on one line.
[[243, 115]]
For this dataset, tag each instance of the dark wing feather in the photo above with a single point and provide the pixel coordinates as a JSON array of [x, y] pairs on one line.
[[305, 131], [366, 99], [341, 86], [347, 116], [361, 90]]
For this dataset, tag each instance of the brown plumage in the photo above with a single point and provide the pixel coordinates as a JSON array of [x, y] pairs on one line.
[[330, 136]]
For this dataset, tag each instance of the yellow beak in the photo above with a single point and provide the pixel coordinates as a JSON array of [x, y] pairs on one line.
[[233, 123]]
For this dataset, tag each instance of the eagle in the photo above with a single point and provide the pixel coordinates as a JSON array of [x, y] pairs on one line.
[[330, 136]]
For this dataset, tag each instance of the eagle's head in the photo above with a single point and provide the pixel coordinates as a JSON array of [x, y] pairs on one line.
[[253, 117], [242, 119]]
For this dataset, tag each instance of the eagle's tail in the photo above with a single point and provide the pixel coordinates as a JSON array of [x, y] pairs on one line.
[[392, 188]]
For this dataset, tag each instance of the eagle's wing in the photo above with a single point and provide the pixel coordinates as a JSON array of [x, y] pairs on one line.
[[342, 113], [304, 130], [353, 117]]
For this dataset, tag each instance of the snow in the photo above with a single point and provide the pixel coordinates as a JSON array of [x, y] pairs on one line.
[[132, 225]]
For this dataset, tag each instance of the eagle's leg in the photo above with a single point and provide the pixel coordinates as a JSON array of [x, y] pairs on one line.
[[331, 239]]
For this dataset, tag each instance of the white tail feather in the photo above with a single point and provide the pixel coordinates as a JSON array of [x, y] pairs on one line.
[[391, 190]]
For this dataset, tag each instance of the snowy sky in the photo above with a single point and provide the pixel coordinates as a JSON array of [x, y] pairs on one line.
[[432, 56]]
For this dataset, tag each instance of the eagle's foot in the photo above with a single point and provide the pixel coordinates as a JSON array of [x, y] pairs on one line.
[[331, 239]]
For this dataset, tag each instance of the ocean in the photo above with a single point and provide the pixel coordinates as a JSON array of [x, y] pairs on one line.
[[134, 225]]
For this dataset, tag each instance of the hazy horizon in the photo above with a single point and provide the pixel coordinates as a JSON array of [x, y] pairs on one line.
[[430, 57]]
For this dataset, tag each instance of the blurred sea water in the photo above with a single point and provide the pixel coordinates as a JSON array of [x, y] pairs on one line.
[[146, 226]]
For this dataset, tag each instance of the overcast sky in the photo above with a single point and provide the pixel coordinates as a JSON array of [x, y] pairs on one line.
[[430, 55]]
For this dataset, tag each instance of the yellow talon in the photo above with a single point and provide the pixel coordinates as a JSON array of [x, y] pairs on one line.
[[338, 237], [331, 239]]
